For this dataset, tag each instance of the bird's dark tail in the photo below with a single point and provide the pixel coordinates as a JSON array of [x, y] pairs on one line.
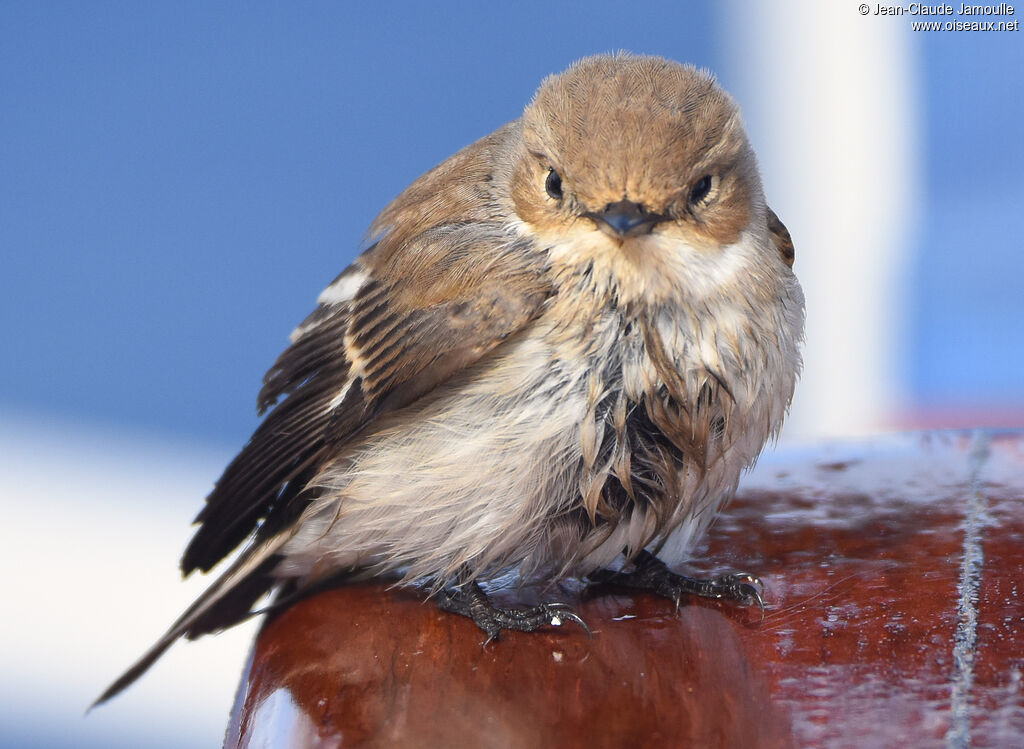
[[228, 601]]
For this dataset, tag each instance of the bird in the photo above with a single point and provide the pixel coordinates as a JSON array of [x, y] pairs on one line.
[[557, 354]]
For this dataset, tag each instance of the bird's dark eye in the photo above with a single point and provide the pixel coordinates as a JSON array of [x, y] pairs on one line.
[[553, 184], [701, 190]]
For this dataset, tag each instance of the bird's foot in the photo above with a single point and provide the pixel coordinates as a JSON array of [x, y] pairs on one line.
[[651, 574], [471, 601]]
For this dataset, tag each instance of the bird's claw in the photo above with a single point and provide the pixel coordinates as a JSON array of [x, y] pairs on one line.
[[562, 612], [651, 574], [740, 587], [472, 602]]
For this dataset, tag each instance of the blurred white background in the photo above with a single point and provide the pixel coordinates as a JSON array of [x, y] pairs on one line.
[[94, 520], [180, 182]]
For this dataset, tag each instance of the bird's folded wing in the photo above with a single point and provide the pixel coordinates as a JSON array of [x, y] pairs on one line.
[[406, 316]]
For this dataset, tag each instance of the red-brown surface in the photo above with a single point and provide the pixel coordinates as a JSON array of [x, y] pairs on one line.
[[891, 570]]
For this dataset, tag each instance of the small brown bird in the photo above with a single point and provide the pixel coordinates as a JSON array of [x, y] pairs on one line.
[[561, 349]]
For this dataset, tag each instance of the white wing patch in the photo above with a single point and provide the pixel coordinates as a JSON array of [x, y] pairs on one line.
[[344, 288], [342, 291]]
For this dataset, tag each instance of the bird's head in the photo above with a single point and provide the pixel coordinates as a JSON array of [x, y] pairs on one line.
[[633, 164]]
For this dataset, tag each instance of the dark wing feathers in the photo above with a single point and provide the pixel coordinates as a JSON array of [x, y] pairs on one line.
[[314, 353], [461, 291], [288, 441]]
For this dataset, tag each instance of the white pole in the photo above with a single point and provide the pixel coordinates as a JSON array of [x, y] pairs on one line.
[[828, 95]]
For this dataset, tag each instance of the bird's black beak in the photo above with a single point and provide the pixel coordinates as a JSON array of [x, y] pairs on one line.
[[625, 219]]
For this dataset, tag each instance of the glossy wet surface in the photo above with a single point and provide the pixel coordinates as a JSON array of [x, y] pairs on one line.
[[892, 574]]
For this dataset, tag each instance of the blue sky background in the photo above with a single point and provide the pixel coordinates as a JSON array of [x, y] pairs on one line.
[[967, 341], [180, 180]]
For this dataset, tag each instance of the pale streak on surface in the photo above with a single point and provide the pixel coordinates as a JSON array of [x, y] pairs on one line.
[[965, 640]]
